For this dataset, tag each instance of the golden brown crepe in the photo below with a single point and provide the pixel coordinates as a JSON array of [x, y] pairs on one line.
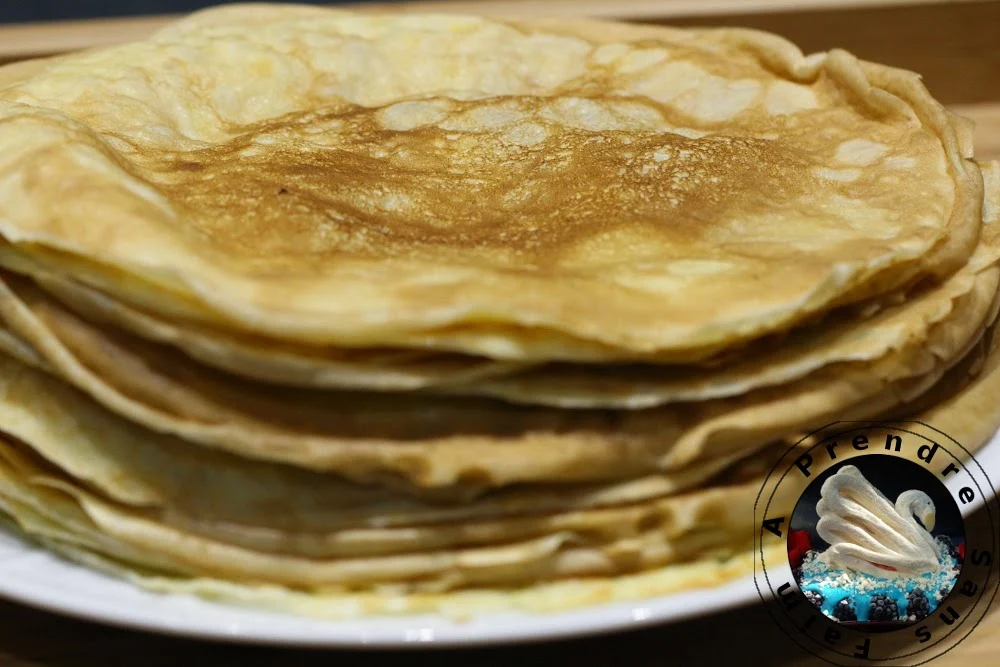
[[346, 314], [471, 445], [845, 335], [80, 525], [427, 186], [274, 508], [293, 365], [509, 551], [144, 469]]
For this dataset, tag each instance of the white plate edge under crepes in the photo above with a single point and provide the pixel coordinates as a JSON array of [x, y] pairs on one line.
[[37, 578]]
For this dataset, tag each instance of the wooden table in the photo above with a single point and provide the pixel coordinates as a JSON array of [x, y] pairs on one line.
[[955, 44]]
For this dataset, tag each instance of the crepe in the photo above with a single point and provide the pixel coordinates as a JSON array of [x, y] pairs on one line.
[[148, 470], [672, 527], [197, 485], [307, 309], [843, 336], [384, 159], [67, 519], [268, 361], [471, 445], [711, 570], [279, 509]]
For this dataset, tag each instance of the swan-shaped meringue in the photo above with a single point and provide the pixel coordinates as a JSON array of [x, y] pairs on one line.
[[869, 534]]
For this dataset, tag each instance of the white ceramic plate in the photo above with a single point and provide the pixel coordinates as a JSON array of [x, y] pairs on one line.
[[37, 578]]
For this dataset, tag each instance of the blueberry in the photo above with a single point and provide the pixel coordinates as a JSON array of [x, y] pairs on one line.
[[918, 606], [797, 573], [844, 611], [949, 545], [883, 608], [814, 597]]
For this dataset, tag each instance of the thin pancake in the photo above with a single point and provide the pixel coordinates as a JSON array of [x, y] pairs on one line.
[[148, 470], [702, 520], [689, 521], [710, 570], [406, 176], [269, 361], [469, 445], [69, 529], [277, 509], [847, 335]]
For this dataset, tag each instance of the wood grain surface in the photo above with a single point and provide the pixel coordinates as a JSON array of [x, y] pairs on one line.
[[956, 46], [42, 38], [896, 26]]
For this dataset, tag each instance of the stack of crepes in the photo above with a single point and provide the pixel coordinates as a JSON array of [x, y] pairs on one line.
[[359, 313]]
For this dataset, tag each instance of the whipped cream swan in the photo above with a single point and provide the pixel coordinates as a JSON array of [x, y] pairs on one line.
[[867, 533]]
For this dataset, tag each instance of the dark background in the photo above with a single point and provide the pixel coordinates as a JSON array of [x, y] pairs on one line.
[[51, 10], [891, 475]]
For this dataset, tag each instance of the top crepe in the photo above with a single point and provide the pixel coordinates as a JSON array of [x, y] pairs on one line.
[[579, 191]]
